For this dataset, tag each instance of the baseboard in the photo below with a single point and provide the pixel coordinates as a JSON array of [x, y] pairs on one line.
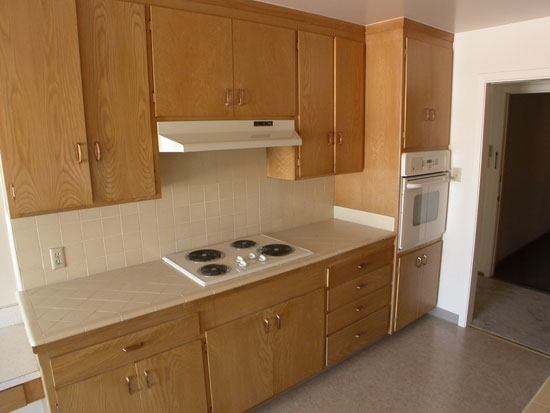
[[364, 218], [10, 316], [444, 315]]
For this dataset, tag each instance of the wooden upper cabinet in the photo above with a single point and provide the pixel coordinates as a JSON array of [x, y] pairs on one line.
[[113, 48], [173, 381], [42, 128], [192, 64], [349, 106], [428, 85], [316, 114], [265, 70]]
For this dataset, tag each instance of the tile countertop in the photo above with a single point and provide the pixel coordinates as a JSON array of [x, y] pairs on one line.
[[64, 309]]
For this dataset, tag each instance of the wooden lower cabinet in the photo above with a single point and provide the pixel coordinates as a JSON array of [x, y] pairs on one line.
[[260, 355], [417, 284]]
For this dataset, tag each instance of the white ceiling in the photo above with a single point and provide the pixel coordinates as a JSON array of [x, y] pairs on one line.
[[450, 15]]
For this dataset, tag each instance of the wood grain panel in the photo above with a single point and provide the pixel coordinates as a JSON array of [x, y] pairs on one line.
[[359, 287], [282, 162], [174, 381], [192, 63], [93, 360], [356, 336], [12, 399], [240, 360], [113, 49], [376, 189], [429, 287], [41, 110], [360, 261], [265, 69], [34, 390], [108, 392], [316, 107], [349, 109], [298, 339], [358, 309], [408, 286], [248, 299]]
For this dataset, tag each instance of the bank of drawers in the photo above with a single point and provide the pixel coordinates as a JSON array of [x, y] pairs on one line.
[[358, 299]]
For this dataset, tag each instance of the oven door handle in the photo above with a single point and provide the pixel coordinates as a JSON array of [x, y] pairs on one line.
[[428, 181]]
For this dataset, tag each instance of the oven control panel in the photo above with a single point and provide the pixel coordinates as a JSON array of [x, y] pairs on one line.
[[420, 163]]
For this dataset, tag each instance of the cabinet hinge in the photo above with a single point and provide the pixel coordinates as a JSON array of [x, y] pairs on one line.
[[154, 97], [150, 25], [298, 161], [12, 192]]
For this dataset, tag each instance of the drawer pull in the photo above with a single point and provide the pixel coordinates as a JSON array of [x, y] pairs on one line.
[[266, 321], [133, 347], [359, 335], [364, 265], [278, 321], [129, 381], [147, 383], [361, 286], [360, 308], [424, 259]]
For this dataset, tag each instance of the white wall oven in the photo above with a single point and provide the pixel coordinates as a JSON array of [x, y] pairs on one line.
[[424, 192]]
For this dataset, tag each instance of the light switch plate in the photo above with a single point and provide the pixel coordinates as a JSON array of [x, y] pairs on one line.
[[57, 257], [457, 174]]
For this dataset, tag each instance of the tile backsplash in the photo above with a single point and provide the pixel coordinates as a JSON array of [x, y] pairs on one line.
[[207, 197]]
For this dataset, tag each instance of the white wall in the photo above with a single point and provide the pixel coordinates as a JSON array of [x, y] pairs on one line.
[[510, 52], [8, 283]]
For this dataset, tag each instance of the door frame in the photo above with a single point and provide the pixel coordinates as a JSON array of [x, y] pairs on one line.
[[497, 93]]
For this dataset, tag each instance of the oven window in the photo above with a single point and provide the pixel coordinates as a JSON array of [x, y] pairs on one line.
[[426, 208]]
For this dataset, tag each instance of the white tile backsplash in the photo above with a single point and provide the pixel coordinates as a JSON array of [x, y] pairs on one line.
[[207, 198]]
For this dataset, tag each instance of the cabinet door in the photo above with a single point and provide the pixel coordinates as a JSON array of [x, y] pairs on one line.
[[174, 381], [428, 88], [298, 340], [265, 70], [41, 111], [349, 124], [115, 391], [429, 284], [316, 117], [240, 361], [113, 49], [408, 279], [192, 64]]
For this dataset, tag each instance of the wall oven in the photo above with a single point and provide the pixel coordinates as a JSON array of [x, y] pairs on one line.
[[424, 192]]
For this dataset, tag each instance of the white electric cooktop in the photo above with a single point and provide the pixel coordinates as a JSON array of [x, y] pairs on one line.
[[231, 259]]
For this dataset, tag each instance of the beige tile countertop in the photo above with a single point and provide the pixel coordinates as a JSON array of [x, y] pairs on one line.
[[64, 309]]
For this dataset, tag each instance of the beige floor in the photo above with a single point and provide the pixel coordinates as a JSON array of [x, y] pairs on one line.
[[541, 402], [430, 366]]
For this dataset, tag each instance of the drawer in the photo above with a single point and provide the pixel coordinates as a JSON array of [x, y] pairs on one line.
[[91, 361], [358, 335], [357, 309], [360, 261], [361, 286]]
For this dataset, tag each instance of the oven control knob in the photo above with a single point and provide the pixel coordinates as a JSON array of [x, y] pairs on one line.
[[262, 258], [252, 256]]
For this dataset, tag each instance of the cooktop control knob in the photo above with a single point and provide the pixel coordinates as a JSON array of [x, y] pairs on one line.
[[239, 258], [252, 256], [242, 263], [262, 258]]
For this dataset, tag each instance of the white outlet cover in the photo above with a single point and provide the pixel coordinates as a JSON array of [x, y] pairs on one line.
[[457, 174], [57, 258]]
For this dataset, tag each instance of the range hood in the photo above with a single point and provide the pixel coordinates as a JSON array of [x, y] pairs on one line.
[[196, 136]]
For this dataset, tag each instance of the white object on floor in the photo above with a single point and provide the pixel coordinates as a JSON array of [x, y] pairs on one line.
[[365, 218], [18, 364]]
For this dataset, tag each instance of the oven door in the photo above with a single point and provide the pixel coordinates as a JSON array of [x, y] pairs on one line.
[[423, 209]]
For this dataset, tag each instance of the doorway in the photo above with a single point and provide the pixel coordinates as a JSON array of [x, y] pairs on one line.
[[512, 256]]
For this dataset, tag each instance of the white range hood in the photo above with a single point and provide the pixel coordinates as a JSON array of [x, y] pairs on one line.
[[196, 136]]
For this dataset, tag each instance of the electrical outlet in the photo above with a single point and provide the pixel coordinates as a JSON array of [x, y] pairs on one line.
[[457, 174], [57, 257]]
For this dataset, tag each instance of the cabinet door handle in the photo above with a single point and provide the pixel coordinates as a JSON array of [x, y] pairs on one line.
[[147, 383], [359, 335], [427, 114], [12, 191], [129, 381], [362, 266], [228, 97], [424, 259], [78, 153], [97, 150], [278, 321], [360, 308], [340, 139], [241, 97], [361, 286], [133, 347], [266, 322], [432, 114], [418, 262], [331, 138]]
